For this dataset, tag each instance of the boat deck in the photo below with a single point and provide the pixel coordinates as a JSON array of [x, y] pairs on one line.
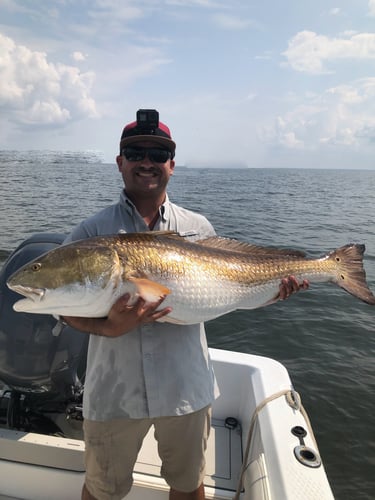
[[65, 457], [223, 456]]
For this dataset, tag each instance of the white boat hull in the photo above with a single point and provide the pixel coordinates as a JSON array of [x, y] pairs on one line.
[[40, 467]]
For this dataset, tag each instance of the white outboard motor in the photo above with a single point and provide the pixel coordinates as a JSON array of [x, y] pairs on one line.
[[41, 372]]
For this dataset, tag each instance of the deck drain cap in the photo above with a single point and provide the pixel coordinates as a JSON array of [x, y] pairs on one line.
[[307, 456]]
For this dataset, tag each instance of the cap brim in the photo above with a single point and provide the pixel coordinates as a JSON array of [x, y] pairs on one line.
[[163, 141]]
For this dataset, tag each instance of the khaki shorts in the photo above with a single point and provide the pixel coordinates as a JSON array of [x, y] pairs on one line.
[[112, 448]]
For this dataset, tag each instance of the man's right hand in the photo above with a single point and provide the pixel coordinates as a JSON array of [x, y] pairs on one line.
[[122, 317]]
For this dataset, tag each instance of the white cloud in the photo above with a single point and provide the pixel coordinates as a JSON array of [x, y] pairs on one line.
[[308, 52], [13, 6], [78, 56], [348, 33], [44, 112], [230, 22], [266, 56], [335, 11], [115, 11], [371, 7], [343, 115], [290, 141], [36, 91], [195, 3]]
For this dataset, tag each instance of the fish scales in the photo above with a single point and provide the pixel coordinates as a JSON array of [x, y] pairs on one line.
[[181, 259], [200, 280]]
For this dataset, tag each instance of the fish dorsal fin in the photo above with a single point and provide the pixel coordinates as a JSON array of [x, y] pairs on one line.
[[161, 233], [150, 235], [231, 245], [169, 234], [149, 290]]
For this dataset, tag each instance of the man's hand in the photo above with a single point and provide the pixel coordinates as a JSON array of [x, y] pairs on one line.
[[121, 319], [290, 285]]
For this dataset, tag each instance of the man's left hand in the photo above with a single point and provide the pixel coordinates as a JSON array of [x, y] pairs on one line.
[[290, 285]]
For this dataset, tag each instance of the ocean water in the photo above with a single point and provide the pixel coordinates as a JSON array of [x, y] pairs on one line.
[[324, 337]]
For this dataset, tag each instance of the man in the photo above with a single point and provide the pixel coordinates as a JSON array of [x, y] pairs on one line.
[[140, 372]]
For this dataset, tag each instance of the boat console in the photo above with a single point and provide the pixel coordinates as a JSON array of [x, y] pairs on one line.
[[42, 367]]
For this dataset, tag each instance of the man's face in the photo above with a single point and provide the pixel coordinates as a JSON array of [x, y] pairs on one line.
[[148, 176]]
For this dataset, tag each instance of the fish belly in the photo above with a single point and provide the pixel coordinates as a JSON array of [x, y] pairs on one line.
[[211, 300]]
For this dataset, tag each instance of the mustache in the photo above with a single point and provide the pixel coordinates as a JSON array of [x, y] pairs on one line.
[[152, 169]]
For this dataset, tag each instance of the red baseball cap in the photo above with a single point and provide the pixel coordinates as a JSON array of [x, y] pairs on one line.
[[133, 133]]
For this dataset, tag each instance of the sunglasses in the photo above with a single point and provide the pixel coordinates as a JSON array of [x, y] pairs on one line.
[[157, 155]]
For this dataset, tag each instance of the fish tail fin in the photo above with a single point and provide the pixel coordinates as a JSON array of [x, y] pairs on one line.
[[350, 274]]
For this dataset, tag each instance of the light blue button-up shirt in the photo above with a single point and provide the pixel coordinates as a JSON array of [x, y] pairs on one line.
[[158, 369]]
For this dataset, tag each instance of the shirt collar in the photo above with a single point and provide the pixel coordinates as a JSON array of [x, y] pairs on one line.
[[129, 206]]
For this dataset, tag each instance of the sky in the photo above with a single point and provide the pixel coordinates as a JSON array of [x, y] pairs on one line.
[[256, 83]]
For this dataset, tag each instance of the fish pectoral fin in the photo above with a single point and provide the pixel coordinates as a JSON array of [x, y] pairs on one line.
[[150, 291]]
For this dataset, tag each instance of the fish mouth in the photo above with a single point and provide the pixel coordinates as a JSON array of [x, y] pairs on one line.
[[34, 294]]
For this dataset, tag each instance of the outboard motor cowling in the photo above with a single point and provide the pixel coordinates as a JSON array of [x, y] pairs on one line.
[[35, 363]]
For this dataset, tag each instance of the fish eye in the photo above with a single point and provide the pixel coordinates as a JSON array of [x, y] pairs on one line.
[[36, 266]]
